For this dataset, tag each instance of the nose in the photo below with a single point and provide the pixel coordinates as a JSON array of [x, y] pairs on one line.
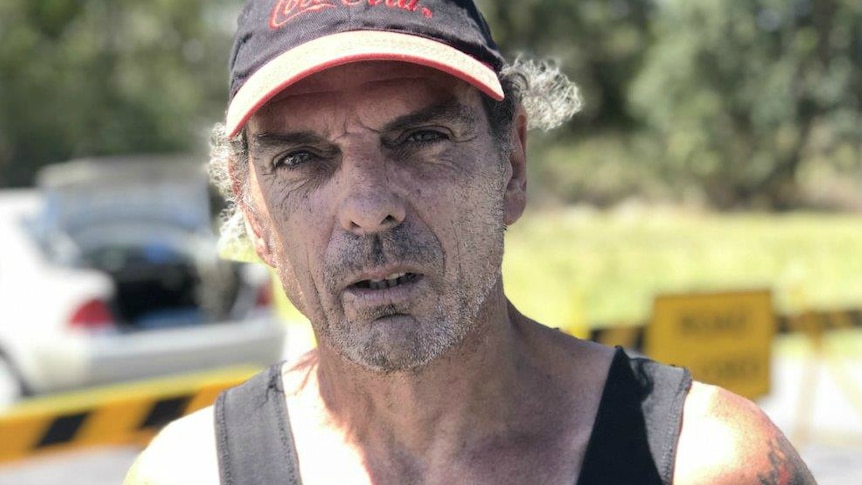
[[371, 203]]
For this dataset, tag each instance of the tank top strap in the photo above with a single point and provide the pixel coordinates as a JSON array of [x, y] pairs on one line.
[[253, 436], [637, 426]]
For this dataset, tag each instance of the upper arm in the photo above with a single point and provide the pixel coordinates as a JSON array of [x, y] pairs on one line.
[[183, 453], [727, 439]]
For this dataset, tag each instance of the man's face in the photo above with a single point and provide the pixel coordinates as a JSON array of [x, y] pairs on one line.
[[378, 195]]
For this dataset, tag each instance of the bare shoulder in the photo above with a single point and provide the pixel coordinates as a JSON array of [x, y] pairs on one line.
[[727, 439], [183, 453]]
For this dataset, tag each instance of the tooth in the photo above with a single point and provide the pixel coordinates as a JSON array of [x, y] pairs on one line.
[[390, 281], [394, 277]]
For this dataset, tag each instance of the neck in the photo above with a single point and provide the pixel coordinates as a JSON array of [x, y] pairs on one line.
[[414, 410]]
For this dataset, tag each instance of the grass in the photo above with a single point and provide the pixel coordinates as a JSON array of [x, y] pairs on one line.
[[577, 267]]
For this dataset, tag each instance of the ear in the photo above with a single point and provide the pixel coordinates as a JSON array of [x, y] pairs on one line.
[[255, 229], [258, 236], [515, 198]]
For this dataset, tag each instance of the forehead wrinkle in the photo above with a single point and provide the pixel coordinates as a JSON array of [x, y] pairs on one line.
[[450, 106], [351, 118], [450, 110]]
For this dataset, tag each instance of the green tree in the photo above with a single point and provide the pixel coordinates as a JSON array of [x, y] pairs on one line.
[[743, 94], [106, 77], [599, 43]]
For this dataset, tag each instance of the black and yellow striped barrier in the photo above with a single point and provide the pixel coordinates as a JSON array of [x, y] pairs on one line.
[[626, 335], [121, 414], [631, 335], [820, 321]]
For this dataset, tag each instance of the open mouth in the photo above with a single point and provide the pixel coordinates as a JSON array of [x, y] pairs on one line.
[[391, 281]]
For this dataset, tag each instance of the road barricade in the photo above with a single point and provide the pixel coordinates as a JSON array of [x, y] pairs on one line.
[[115, 415], [724, 338]]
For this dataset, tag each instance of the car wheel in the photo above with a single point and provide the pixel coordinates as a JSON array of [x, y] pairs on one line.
[[10, 385]]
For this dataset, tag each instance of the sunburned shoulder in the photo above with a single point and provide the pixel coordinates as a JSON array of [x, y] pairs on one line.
[[183, 453], [727, 439]]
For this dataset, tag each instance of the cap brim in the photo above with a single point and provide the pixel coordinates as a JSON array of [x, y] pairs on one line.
[[355, 46]]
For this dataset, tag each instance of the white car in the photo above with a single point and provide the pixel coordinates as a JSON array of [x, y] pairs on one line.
[[109, 272]]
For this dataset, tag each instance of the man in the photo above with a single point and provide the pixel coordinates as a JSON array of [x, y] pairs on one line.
[[376, 152]]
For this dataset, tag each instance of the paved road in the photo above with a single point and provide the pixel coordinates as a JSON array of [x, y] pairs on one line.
[[823, 421], [99, 467]]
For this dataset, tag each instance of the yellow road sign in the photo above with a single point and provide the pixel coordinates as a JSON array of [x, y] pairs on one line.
[[722, 338], [120, 414]]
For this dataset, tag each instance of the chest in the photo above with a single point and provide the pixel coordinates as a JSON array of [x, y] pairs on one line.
[[549, 459]]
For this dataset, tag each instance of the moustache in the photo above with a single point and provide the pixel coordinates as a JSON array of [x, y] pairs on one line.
[[353, 253]]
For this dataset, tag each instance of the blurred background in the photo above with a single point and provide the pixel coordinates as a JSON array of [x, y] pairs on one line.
[[719, 149]]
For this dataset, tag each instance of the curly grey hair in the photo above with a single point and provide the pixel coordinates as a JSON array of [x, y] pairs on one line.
[[547, 95]]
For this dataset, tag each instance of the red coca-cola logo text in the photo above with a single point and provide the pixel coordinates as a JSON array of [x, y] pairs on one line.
[[287, 10]]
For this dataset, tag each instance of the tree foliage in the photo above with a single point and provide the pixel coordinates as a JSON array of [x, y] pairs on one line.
[[732, 100], [101, 77], [743, 94], [600, 43]]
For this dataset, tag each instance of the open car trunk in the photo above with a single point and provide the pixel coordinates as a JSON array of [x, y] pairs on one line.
[[160, 287], [146, 223]]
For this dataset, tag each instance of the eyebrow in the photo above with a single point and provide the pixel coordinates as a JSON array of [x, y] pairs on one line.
[[450, 110]]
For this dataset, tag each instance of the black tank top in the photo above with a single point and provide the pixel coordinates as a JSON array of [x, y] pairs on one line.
[[633, 440]]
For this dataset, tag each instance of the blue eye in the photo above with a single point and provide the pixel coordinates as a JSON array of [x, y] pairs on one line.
[[292, 159], [425, 136]]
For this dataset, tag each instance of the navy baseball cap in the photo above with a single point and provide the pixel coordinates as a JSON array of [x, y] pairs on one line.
[[279, 42]]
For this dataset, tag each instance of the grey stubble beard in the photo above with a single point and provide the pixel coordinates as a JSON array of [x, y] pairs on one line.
[[429, 339]]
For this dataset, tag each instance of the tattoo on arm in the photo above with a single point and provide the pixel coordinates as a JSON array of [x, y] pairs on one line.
[[786, 467]]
